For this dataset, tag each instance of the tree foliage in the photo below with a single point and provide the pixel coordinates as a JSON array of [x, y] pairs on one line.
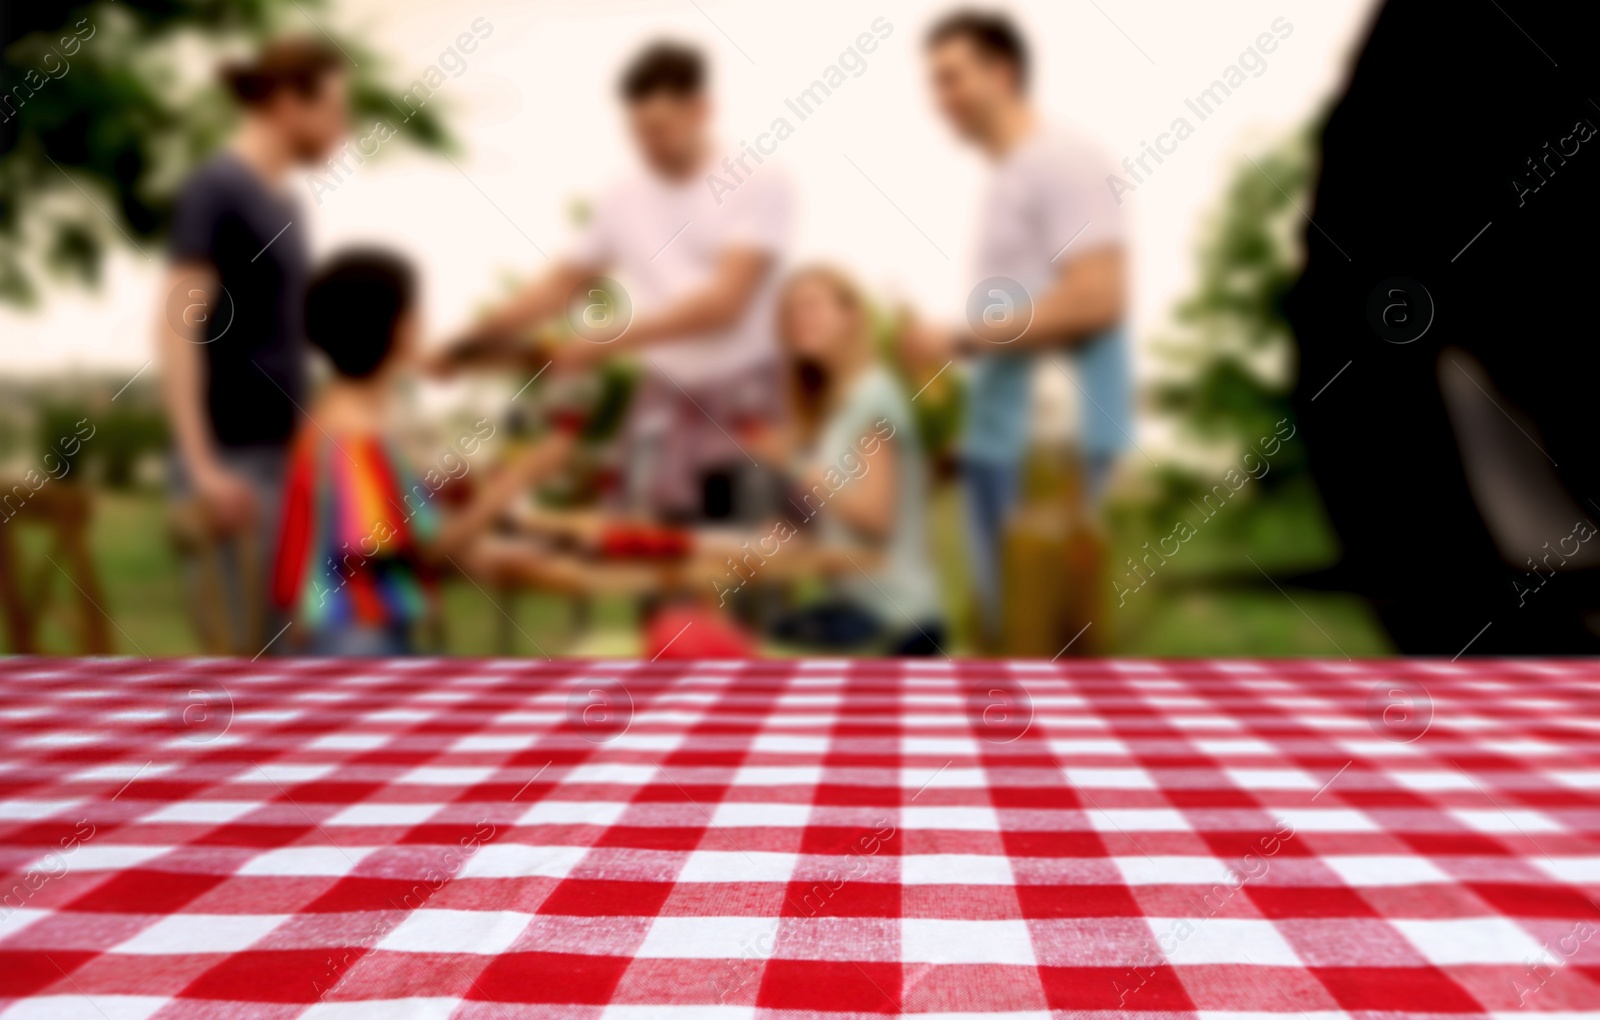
[[108, 104], [1228, 372]]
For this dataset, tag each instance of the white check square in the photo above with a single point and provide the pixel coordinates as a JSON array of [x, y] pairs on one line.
[[518, 860], [214, 811], [398, 715], [32, 809], [413, 1008], [306, 861], [1138, 820], [350, 741], [955, 869], [791, 743], [970, 819], [612, 773], [685, 1013], [108, 856], [1327, 820], [1109, 779], [1172, 870], [1090, 746], [1222, 940], [1520, 747], [86, 1007], [19, 918], [929, 940], [447, 775], [573, 812], [481, 932], [1470, 940], [1271, 779], [635, 741], [201, 933], [1576, 870], [279, 774], [1385, 869], [1204, 722], [1578, 779], [705, 938], [121, 770], [734, 815], [734, 866], [944, 779], [778, 775], [385, 814], [61, 739], [1431, 782], [1509, 821], [1369, 747], [495, 742], [964, 747], [1234, 746], [793, 701]]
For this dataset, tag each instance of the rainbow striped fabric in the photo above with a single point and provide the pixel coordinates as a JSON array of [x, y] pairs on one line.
[[352, 519]]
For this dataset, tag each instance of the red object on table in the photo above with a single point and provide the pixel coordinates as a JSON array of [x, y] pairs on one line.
[[696, 632], [437, 838], [626, 540], [572, 421]]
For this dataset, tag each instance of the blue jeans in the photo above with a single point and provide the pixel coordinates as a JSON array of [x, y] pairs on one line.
[[839, 625], [1096, 475], [991, 489], [361, 642]]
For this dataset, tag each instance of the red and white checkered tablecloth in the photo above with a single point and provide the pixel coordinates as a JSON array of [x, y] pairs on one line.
[[776, 840]]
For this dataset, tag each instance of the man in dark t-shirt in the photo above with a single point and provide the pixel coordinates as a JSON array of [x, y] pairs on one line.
[[229, 220], [230, 339]]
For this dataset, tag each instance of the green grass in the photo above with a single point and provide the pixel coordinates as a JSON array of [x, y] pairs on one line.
[[1256, 623], [1208, 601], [144, 599]]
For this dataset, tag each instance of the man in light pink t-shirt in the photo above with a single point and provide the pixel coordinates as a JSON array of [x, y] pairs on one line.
[[699, 267], [1049, 284]]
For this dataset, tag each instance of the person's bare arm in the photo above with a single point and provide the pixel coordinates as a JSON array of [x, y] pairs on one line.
[[542, 298], [532, 465], [1089, 296], [492, 339], [227, 499], [866, 502], [719, 304]]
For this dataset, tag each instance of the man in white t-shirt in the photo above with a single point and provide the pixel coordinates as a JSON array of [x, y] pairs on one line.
[[698, 268], [1048, 280]]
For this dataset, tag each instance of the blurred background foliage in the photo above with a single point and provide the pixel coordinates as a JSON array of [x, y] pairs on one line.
[[94, 143], [1224, 373], [98, 124]]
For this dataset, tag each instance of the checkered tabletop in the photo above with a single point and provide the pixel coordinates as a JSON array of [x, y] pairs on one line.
[[777, 840]]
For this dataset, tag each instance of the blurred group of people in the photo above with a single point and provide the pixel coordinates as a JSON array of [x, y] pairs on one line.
[[743, 358]]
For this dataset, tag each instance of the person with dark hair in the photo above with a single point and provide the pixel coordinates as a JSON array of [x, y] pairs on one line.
[[664, 67], [353, 306], [993, 36], [229, 333], [362, 533], [700, 265], [1049, 274]]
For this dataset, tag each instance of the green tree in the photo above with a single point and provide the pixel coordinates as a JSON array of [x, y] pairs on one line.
[[1228, 370], [108, 104]]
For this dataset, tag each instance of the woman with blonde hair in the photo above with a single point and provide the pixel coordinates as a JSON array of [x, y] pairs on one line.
[[862, 475]]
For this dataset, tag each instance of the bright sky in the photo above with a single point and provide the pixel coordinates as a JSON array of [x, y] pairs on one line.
[[535, 112]]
